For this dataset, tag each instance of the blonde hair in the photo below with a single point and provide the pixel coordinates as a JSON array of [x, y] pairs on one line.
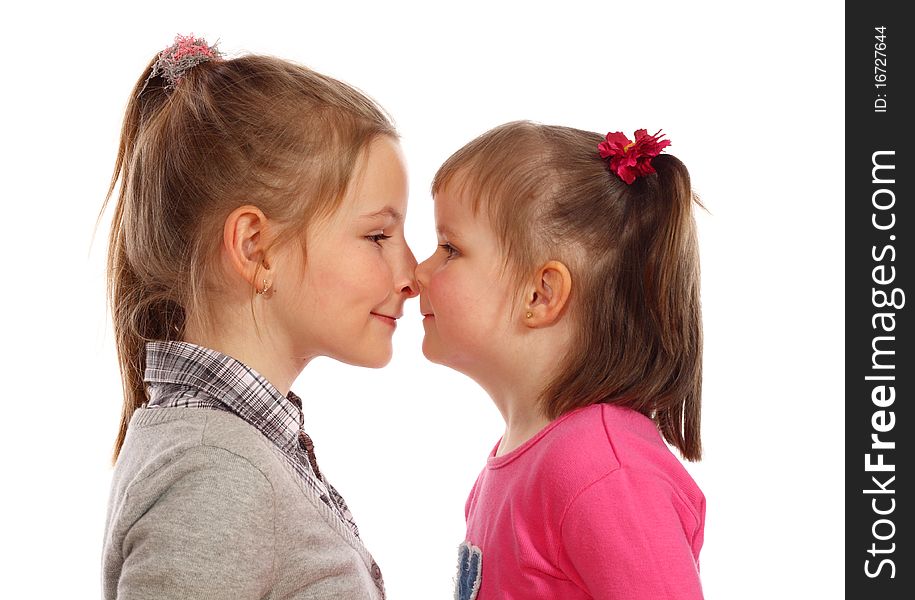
[[250, 130], [633, 254]]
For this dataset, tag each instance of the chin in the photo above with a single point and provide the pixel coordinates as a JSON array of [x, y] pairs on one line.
[[378, 363], [378, 359], [372, 358], [448, 357], [431, 355]]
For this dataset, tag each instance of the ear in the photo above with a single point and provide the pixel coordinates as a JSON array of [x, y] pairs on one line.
[[548, 296], [244, 244]]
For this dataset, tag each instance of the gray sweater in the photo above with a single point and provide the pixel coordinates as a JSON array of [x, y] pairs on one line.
[[204, 506]]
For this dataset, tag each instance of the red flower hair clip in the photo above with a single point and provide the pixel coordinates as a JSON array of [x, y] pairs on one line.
[[630, 159], [185, 53]]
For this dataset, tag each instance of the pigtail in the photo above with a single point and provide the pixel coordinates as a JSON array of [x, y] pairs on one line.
[[671, 293]]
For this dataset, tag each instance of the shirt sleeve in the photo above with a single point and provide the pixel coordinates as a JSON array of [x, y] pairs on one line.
[[632, 536], [207, 533]]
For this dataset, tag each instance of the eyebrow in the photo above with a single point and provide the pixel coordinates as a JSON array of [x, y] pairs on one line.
[[446, 232], [387, 211]]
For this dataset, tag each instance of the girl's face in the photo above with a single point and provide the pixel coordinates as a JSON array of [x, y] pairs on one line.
[[464, 297], [344, 301]]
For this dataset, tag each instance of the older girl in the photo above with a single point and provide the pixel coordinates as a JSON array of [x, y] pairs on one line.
[[259, 224]]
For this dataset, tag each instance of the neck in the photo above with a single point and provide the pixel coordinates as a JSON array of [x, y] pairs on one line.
[[258, 351], [517, 397], [516, 379], [521, 424]]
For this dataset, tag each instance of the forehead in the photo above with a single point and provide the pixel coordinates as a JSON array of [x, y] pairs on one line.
[[452, 209], [379, 186], [468, 196], [455, 218]]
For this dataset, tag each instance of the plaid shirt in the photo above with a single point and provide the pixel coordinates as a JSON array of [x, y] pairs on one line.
[[181, 374]]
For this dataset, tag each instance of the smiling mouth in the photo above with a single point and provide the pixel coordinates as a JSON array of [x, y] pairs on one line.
[[386, 318]]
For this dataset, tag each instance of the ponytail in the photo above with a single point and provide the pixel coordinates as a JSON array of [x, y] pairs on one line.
[[672, 296], [139, 314]]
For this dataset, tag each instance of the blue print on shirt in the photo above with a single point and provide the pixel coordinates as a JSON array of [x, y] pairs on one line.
[[469, 572]]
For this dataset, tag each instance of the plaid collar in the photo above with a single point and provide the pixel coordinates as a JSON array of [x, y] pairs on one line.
[[237, 386]]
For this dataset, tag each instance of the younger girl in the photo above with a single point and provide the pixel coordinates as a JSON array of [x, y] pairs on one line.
[[259, 224], [567, 285]]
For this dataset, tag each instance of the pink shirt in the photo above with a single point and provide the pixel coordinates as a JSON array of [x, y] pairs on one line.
[[593, 506]]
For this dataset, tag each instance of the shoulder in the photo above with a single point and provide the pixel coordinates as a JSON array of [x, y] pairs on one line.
[[608, 443], [226, 431], [646, 458], [193, 455], [167, 474], [577, 444], [167, 449], [573, 452], [158, 437]]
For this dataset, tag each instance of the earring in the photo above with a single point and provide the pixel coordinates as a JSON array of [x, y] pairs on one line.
[[264, 291], [528, 314]]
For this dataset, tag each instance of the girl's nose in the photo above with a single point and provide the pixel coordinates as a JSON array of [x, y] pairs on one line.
[[420, 274], [408, 285]]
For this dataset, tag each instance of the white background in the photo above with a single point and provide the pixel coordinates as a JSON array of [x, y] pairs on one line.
[[752, 97]]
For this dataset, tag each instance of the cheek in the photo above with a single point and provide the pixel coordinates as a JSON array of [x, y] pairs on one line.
[[346, 278], [467, 319], [357, 277], [464, 313], [446, 295]]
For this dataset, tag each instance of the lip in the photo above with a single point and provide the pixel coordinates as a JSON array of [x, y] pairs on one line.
[[390, 320]]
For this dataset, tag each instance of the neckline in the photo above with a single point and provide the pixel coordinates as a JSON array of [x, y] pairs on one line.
[[497, 462], [234, 384]]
